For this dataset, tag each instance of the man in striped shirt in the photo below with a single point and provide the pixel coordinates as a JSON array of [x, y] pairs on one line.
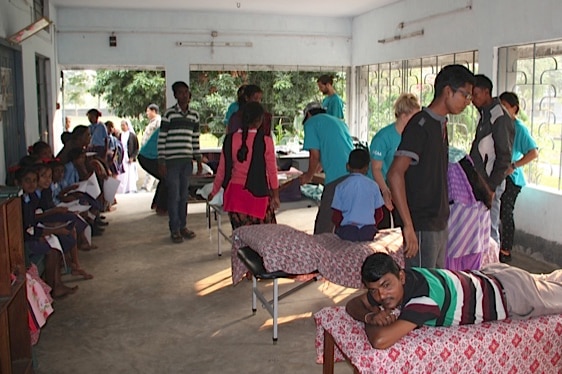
[[178, 146], [398, 301]]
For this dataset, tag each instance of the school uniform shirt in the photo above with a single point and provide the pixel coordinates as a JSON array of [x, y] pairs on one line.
[[439, 297], [357, 197], [98, 131], [71, 175]]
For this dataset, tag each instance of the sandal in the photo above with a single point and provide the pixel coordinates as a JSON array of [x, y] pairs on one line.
[[186, 233], [505, 256]]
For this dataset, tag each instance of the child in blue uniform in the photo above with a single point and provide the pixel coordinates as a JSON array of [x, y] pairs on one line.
[[356, 201]]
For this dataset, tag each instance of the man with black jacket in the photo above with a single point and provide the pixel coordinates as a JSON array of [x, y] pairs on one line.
[[491, 148]]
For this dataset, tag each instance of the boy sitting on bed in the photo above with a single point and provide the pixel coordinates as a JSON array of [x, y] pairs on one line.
[[399, 300], [356, 200]]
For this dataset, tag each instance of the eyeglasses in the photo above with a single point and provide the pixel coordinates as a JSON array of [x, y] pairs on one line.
[[467, 96]]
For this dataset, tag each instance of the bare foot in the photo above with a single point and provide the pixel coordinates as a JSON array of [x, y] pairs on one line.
[[82, 272], [63, 291], [88, 247]]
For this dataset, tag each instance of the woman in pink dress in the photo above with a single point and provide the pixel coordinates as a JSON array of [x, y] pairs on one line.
[[248, 172]]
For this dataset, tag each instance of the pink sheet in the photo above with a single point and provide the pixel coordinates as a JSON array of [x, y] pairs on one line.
[[509, 346], [292, 251]]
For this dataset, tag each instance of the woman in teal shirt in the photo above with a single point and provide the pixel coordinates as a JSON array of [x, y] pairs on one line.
[[524, 151], [383, 146]]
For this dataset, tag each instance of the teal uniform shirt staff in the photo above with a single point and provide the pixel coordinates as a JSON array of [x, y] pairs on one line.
[[331, 137], [383, 146], [333, 105], [522, 144]]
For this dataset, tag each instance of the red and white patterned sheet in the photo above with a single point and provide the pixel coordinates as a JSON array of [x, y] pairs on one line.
[[510, 346], [295, 252]]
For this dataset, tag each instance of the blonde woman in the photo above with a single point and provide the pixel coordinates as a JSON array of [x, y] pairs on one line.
[[383, 146]]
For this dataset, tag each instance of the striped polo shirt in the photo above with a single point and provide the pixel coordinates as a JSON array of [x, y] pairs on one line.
[[179, 136], [439, 297]]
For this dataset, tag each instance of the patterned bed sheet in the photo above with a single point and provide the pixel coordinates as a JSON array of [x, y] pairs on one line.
[[295, 252], [510, 346]]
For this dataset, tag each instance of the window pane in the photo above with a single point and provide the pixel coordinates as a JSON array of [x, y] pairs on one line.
[[534, 73]]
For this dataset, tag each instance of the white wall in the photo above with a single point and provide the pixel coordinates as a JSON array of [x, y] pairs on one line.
[[15, 15], [538, 212], [276, 40], [487, 26]]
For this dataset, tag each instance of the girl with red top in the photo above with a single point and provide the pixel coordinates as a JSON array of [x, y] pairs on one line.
[[248, 172]]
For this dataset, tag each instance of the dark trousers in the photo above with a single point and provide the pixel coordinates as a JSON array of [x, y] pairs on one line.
[[355, 234], [506, 213], [161, 194]]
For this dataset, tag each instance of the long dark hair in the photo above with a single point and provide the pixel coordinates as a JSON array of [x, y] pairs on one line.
[[252, 115]]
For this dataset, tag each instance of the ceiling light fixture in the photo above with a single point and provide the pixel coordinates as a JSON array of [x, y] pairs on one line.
[[396, 38], [214, 44]]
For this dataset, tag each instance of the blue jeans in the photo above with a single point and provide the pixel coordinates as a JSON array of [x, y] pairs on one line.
[[177, 181], [495, 213]]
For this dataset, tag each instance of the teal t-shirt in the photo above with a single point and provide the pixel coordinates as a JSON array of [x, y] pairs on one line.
[[331, 137], [522, 144], [383, 146], [232, 108], [150, 148], [333, 105]]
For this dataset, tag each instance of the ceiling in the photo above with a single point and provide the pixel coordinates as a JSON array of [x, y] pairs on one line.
[[321, 8]]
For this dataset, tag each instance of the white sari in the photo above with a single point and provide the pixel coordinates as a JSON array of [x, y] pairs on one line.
[[130, 175]]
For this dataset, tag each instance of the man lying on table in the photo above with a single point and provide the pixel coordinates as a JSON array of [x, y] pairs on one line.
[[397, 300]]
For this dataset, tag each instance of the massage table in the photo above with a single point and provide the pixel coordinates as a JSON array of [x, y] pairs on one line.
[[287, 180], [280, 251], [509, 346]]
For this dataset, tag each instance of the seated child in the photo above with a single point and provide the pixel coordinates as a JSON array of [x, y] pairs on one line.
[[35, 236], [356, 200], [49, 214], [71, 176]]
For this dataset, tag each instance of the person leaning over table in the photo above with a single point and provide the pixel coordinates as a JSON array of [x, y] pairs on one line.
[[399, 300], [329, 143]]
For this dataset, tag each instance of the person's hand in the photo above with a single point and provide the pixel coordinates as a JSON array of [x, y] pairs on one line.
[[387, 198], [510, 170], [210, 196], [410, 242], [275, 203], [162, 170], [199, 168], [305, 178], [384, 318]]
